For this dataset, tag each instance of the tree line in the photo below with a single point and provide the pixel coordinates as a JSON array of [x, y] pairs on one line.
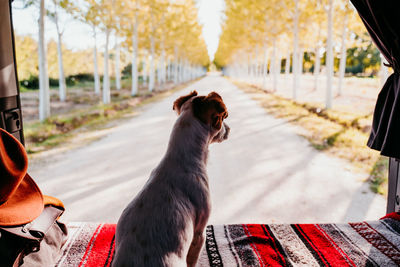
[[162, 37], [264, 37]]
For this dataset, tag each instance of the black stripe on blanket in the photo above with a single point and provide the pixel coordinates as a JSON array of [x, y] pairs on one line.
[[242, 245], [303, 237], [212, 249], [110, 250], [232, 250], [283, 259]]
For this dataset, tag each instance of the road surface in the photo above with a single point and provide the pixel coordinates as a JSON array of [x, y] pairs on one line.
[[264, 173]]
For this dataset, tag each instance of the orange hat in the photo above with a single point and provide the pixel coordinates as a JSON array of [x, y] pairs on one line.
[[20, 198]]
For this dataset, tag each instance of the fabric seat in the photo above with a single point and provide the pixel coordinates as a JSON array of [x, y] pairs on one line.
[[372, 243]]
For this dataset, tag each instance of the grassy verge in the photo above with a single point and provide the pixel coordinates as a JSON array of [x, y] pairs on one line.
[[58, 129], [339, 133]]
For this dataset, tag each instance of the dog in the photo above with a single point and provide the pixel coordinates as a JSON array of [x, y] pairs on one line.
[[164, 224]]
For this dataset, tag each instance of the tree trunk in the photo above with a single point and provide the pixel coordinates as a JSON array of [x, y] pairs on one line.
[[257, 72], [168, 69], [158, 71], [265, 68], [280, 58], [176, 65], [96, 70], [62, 86], [343, 50], [274, 65], [317, 67], [144, 71], [106, 77], [117, 69], [152, 72], [317, 63], [184, 70], [187, 70], [44, 94], [278, 69], [295, 49], [163, 67], [329, 57], [255, 64], [61, 78], [301, 59], [181, 71], [300, 66], [287, 67], [134, 89]]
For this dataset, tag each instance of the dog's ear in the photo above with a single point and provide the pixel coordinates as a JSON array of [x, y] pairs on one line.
[[210, 109], [180, 101]]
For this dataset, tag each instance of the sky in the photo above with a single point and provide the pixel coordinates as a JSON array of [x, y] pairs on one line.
[[78, 35], [210, 12]]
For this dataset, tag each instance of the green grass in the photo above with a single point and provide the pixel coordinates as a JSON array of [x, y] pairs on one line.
[[336, 132], [379, 176]]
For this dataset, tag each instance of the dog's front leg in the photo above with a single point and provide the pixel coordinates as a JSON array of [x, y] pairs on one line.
[[195, 249]]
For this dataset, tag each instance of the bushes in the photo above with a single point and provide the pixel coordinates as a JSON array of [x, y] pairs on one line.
[[33, 82]]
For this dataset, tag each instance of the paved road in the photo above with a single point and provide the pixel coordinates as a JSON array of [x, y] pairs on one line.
[[264, 173]]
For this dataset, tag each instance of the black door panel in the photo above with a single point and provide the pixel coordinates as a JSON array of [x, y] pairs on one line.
[[10, 107]]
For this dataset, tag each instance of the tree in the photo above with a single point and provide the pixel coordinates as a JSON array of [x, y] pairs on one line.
[[167, 30], [295, 48], [329, 55], [273, 24], [107, 18], [342, 65], [55, 17], [90, 15], [117, 64], [130, 18], [44, 90]]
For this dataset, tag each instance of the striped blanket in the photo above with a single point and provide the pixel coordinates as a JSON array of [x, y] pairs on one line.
[[375, 243]]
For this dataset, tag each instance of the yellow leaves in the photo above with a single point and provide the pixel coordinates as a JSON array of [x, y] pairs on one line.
[[27, 57], [75, 62], [170, 24], [251, 23]]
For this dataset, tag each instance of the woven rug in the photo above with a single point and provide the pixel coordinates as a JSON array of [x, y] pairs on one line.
[[375, 243]]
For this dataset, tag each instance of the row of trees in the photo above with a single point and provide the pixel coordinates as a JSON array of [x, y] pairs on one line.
[[28, 60], [257, 35], [166, 33]]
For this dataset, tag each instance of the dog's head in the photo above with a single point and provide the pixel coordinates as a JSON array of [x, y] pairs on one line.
[[209, 109]]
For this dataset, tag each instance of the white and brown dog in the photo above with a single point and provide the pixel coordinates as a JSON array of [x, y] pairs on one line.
[[164, 224]]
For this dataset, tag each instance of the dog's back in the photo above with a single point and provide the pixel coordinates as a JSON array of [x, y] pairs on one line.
[[152, 227]]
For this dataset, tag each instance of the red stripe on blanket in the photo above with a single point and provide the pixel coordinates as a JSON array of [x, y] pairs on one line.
[[393, 215], [104, 243], [336, 246], [264, 246], [89, 246], [324, 246]]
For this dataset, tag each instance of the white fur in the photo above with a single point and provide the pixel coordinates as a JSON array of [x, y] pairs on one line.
[[164, 224]]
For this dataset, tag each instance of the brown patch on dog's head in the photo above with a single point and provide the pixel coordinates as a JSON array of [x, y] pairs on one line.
[[210, 109], [180, 101]]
